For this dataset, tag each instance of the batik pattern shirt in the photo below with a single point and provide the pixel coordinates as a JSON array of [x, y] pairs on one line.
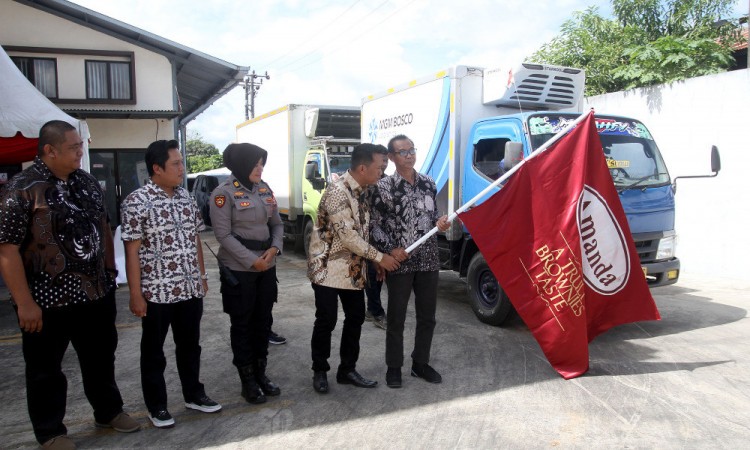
[[339, 244], [401, 214], [167, 228], [59, 228]]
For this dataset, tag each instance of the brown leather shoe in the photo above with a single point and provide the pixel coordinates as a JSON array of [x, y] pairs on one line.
[[62, 442], [122, 423]]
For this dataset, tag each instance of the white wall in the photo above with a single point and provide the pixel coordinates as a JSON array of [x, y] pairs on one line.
[[128, 133], [686, 118]]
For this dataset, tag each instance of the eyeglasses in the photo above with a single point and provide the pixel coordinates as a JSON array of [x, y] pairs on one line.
[[405, 153]]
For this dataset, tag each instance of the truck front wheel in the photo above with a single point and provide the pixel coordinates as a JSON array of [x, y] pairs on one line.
[[488, 300], [306, 234]]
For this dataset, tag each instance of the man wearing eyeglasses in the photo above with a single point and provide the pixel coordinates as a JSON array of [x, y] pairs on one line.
[[403, 210]]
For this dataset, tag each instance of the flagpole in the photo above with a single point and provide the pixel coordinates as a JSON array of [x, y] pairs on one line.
[[505, 176]]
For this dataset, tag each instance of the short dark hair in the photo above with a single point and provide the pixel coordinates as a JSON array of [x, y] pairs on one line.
[[158, 153], [362, 154], [398, 137], [53, 133]]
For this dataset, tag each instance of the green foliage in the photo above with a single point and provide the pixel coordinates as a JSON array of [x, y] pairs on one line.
[[648, 42], [671, 58], [201, 155], [590, 42], [200, 163]]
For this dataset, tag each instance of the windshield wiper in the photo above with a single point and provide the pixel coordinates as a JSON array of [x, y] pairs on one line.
[[639, 181]]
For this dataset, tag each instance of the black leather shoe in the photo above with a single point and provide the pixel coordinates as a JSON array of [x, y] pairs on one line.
[[426, 372], [320, 382], [356, 379], [393, 377]]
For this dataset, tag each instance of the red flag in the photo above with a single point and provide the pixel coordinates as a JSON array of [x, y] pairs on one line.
[[558, 242]]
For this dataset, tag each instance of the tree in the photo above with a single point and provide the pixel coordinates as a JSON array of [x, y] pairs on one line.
[[201, 155], [647, 42]]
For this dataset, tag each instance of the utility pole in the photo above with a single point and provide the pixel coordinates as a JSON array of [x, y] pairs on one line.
[[251, 88]]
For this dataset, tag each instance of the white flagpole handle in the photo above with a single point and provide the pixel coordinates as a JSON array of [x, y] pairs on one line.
[[505, 176]]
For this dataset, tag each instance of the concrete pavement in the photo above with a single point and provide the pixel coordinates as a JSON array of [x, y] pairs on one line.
[[681, 382]]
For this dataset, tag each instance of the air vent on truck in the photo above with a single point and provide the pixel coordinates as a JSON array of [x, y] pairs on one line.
[[534, 86]]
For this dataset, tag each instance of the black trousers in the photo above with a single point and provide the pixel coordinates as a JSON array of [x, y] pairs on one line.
[[90, 327], [249, 307], [326, 312], [372, 291], [185, 319], [400, 286]]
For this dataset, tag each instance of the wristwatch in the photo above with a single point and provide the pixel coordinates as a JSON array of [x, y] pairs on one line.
[[204, 276]]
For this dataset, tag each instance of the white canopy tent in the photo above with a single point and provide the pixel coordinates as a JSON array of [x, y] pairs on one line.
[[24, 109]]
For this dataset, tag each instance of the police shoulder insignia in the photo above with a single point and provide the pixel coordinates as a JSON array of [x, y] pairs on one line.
[[220, 200]]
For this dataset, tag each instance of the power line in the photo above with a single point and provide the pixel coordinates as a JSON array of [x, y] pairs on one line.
[[329, 24], [351, 41], [354, 24]]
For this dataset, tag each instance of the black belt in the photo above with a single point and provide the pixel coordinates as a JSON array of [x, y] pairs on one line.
[[255, 245]]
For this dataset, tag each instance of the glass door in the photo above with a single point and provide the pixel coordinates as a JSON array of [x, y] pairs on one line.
[[119, 172], [103, 169]]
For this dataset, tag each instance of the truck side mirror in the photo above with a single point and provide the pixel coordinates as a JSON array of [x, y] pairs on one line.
[[715, 159], [310, 170], [513, 154], [318, 184], [715, 168], [312, 174]]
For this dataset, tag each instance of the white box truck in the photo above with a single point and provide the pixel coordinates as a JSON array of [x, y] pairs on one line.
[[308, 146]]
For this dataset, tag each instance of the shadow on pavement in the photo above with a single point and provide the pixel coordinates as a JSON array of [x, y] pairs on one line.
[[472, 357]]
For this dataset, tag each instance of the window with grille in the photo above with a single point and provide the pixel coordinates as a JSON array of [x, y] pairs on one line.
[[41, 72]]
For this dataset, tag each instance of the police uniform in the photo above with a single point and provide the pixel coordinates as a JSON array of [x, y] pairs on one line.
[[246, 223]]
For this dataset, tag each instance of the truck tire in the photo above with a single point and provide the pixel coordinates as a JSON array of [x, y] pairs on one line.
[[488, 300], [306, 235]]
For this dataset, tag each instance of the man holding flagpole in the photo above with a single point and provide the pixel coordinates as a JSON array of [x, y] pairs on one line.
[[404, 209]]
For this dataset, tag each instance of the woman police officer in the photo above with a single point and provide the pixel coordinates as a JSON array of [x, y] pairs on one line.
[[246, 223]]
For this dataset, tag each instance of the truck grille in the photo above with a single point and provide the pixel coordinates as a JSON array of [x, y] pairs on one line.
[[646, 249]]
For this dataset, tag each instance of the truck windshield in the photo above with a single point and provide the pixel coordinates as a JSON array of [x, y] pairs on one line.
[[338, 164], [633, 158]]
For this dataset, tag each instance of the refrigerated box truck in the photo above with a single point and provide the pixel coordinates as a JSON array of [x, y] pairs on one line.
[[462, 121], [308, 147]]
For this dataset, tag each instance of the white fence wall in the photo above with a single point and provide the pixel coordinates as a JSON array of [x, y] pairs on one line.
[[686, 118]]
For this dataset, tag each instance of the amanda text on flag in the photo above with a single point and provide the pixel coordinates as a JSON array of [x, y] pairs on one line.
[[558, 242]]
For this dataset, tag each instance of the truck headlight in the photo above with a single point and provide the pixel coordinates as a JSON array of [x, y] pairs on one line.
[[667, 244]]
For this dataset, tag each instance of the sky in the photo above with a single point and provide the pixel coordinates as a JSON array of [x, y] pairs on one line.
[[335, 52]]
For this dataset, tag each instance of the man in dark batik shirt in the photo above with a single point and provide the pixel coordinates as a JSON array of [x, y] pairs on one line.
[[57, 258], [403, 210]]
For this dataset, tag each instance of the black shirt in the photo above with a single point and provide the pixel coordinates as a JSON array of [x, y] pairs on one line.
[[59, 227]]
